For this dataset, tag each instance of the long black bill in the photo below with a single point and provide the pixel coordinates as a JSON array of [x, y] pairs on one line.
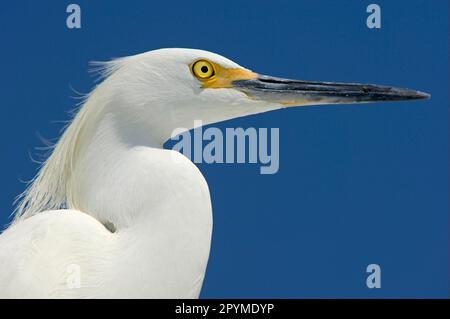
[[297, 92]]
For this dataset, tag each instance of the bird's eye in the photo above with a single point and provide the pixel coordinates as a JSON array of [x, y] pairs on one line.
[[203, 69]]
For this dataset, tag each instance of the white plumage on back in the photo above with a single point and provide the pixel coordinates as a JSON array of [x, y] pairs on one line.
[[160, 254]]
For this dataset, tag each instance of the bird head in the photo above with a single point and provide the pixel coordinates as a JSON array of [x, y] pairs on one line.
[[147, 97], [174, 88]]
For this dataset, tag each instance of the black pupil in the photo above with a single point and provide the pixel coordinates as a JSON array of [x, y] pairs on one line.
[[204, 69]]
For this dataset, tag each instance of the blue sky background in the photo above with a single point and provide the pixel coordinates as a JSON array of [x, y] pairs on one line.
[[357, 184]]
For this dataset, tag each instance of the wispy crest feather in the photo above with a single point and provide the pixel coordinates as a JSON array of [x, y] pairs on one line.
[[51, 189]]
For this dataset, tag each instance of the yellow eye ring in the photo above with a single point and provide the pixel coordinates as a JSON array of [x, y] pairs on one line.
[[203, 70]]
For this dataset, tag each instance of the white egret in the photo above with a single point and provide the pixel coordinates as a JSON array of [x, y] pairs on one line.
[[111, 214]]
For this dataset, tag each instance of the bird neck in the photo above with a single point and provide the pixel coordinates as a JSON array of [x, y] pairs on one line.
[[156, 201], [106, 151], [108, 180], [99, 138], [121, 174]]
